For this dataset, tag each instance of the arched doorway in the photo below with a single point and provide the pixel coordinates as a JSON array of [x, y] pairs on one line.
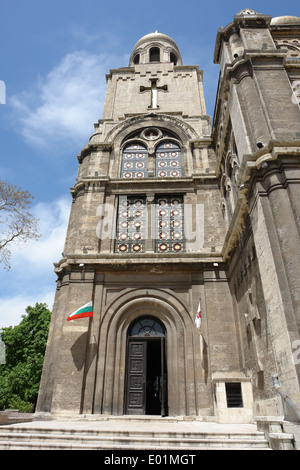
[[146, 372]]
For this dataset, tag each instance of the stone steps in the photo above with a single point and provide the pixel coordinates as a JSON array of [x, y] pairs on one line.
[[122, 435]]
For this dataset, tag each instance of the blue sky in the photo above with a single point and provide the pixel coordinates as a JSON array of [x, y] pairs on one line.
[[53, 59]]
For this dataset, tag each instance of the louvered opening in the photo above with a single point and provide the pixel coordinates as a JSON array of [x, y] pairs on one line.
[[234, 395]]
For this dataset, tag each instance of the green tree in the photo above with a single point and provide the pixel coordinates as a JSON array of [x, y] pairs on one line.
[[25, 346], [16, 222]]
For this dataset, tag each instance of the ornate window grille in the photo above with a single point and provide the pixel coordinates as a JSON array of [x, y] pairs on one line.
[[134, 161], [169, 224], [168, 160], [131, 225]]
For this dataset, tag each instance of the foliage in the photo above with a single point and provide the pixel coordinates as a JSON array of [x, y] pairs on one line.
[[16, 222], [25, 346]]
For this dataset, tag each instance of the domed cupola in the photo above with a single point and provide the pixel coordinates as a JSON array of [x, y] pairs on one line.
[[155, 47]]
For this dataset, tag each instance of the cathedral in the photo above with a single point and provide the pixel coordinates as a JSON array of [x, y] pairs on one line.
[[178, 288]]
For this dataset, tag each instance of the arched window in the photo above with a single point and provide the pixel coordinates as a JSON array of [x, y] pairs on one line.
[[173, 58], [134, 161], [168, 160], [146, 326], [154, 54], [136, 59]]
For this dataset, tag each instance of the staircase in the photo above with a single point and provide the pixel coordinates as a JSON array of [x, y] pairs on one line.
[[123, 433]]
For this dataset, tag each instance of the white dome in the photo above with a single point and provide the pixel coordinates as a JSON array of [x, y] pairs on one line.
[[166, 44], [156, 36], [285, 20]]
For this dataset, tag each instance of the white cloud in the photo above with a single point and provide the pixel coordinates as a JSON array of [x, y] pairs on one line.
[[63, 106], [53, 219], [13, 308], [31, 278]]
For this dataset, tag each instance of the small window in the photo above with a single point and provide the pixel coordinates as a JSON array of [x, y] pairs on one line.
[[136, 59], [234, 395], [173, 58], [154, 54]]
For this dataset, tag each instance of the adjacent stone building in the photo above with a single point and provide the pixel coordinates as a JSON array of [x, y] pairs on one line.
[[171, 208]]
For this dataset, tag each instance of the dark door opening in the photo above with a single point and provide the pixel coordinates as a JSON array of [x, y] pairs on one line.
[[154, 379], [146, 373]]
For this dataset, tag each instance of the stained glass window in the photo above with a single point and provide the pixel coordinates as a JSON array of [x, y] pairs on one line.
[[134, 161], [169, 220], [147, 326], [168, 160], [131, 225]]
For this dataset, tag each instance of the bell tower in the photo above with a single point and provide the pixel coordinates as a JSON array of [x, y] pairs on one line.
[[137, 249]]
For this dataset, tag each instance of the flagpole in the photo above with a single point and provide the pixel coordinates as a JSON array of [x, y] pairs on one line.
[[86, 405], [93, 339]]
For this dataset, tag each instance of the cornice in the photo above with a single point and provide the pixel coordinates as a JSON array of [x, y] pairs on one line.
[[148, 185], [94, 146], [118, 71], [86, 262]]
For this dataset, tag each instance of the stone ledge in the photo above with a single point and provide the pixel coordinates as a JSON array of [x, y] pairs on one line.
[[293, 428], [281, 441], [281, 435], [14, 416]]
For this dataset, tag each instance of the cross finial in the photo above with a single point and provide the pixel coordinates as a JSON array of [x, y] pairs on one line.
[[154, 89]]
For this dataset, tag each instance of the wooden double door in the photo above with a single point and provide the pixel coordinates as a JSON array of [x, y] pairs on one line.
[[146, 377]]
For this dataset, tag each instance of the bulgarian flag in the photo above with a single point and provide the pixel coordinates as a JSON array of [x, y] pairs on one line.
[[83, 312], [198, 316]]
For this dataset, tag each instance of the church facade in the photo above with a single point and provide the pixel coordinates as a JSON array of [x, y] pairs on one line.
[[174, 212]]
